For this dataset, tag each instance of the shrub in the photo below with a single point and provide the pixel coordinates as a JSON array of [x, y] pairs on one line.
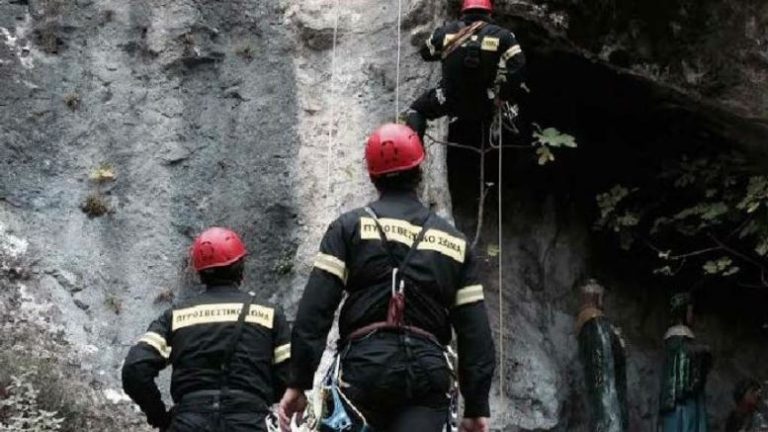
[[20, 410]]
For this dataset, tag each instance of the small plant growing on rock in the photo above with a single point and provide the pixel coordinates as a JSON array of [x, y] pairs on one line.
[[20, 411], [284, 264], [245, 52], [94, 205], [108, 16], [550, 138], [72, 101], [104, 173], [165, 296], [114, 304], [189, 45], [48, 41]]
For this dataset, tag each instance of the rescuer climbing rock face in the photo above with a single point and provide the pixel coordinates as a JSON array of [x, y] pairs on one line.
[[482, 67], [229, 353], [410, 278]]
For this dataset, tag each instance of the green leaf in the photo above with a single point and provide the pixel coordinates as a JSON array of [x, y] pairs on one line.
[[628, 219], [666, 271], [762, 247], [720, 265], [545, 155], [554, 138], [714, 211]]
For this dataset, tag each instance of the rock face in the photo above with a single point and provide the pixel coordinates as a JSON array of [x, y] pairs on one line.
[[127, 127]]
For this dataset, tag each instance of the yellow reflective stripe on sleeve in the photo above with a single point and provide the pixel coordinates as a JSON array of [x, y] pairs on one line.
[[513, 51], [490, 44], [332, 265], [431, 46], [222, 313], [470, 294], [157, 342], [404, 232], [282, 353]]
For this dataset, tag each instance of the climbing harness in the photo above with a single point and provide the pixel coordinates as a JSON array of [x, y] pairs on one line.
[[396, 310]]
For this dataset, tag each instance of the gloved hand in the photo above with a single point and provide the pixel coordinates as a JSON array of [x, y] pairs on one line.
[[477, 424], [293, 402], [162, 423]]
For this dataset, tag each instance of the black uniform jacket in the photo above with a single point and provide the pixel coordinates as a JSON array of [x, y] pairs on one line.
[[491, 57], [193, 337], [444, 292]]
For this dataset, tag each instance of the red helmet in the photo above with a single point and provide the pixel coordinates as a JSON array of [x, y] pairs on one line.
[[485, 5], [216, 247], [393, 148]]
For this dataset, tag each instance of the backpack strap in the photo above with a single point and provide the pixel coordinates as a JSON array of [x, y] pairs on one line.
[[226, 361], [461, 37], [398, 268]]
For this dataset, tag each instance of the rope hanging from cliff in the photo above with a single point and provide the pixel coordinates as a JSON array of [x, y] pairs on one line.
[[397, 70], [500, 256], [329, 150]]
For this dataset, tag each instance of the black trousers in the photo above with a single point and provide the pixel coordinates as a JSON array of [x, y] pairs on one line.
[[400, 383], [211, 412], [436, 103]]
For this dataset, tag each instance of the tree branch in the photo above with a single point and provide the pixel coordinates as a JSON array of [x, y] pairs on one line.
[[740, 255], [475, 149], [679, 256]]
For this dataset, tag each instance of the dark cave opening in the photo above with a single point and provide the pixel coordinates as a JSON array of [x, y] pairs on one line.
[[627, 127]]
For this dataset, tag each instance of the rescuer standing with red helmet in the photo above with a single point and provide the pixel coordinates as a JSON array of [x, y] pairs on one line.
[[410, 278], [482, 66], [229, 353]]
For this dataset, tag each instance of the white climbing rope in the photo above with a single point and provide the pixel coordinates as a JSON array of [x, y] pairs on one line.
[[331, 121], [397, 70], [501, 263]]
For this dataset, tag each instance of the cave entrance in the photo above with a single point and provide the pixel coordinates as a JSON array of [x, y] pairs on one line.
[[629, 129]]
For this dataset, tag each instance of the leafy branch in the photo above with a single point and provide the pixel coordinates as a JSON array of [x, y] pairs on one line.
[[711, 208], [545, 141]]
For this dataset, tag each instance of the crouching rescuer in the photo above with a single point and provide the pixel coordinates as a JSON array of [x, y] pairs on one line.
[[409, 279], [229, 353]]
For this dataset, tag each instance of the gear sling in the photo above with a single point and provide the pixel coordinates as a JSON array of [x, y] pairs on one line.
[[338, 420], [222, 395]]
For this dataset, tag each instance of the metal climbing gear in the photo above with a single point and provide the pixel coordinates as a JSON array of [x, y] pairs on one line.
[[336, 417], [452, 422], [272, 423], [504, 121], [396, 310]]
